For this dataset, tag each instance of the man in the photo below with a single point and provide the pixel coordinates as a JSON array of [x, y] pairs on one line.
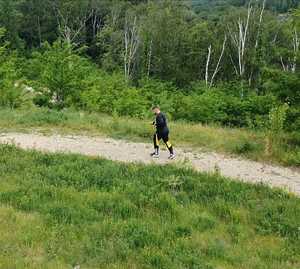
[[162, 132]]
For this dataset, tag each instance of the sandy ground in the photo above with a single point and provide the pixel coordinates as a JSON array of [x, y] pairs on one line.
[[126, 151]]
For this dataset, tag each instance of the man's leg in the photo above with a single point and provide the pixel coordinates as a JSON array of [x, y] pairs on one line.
[[156, 146], [169, 146]]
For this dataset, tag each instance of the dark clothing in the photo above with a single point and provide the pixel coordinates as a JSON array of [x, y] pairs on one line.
[[158, 137], [161, 124], [162, 132]]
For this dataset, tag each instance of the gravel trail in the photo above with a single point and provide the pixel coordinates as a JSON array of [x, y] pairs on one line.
[[120, 150]]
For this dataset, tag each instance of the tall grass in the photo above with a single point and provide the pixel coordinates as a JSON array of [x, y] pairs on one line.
[[58, 211], [248, 143]]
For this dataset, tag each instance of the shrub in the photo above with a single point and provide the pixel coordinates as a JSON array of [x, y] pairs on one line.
[[11, 91], [275, 128], [131, 103], [204, 108], [103, 92], [58, 73], [284, 85], [227, 109], [11, 94], [293, 118]]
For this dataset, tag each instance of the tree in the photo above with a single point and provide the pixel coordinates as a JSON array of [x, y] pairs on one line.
[[131, 43], [10, 19], [60, 74], [11, 90], [38, 23], [209, 81]]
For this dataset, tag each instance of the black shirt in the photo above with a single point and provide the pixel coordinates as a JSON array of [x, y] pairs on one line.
[[161, 123]]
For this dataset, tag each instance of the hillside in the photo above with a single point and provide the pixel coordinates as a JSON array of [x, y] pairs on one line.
[[218, 5], [61, 211]]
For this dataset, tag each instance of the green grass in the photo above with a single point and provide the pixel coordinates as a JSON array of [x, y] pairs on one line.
[[247, 143], [58, 210]]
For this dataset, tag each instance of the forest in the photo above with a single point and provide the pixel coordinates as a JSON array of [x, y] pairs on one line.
[[222, 62]]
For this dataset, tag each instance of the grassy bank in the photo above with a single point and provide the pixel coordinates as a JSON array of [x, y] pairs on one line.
[[57, 211], [247, 143]]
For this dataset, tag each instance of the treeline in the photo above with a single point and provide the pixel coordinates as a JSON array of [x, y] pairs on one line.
[[279, 6], [122, 56]]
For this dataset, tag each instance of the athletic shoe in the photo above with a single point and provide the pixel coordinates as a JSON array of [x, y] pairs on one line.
[[172, 156], [154, 155]]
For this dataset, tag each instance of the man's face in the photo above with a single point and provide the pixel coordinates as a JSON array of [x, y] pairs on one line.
[[156, 111]]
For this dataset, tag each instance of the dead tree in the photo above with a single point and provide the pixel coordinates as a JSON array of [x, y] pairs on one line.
[[149, 58], [70, 29], [209, 81], [217, 69], [296, 44], [261, 14], [290, 64], [259, 23], [131, 42], [239, 39], [96, 22], [207, 64]]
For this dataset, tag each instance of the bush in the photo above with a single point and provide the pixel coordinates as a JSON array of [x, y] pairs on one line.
[[110, 94], [131, 103], [11, 94], [207, 107], [227, 109], [284, 85], [293, 118], [277, 118], [59, 74], [103, 92], [11, 91]]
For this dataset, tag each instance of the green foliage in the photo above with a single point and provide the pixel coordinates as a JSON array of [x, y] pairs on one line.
[[131, 103], [103, 92], [59, 74], [11, 89], [285, 85], [110, 93], [11, 94], [275, 128], [69, 209], [168, 67]]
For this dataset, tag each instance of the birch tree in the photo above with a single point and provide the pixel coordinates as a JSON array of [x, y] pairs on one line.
[[291, 30], [131, 45], [239, 32], [209, 80]]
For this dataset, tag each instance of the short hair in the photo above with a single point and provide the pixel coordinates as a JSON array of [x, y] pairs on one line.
[[155, 107]]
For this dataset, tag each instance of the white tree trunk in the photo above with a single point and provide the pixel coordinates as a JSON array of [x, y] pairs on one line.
[[207, 65], [131, 42], [69, 32], [259, 23], [239, 40], [219, 62], [149, 58], [291, 64], [296, 43]]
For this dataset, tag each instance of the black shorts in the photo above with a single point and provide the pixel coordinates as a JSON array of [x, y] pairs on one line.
[[161, 135]]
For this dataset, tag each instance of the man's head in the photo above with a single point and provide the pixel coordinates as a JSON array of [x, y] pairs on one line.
[[156, 110]]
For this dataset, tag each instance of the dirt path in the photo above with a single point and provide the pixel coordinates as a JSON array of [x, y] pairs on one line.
[[120, 150]]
